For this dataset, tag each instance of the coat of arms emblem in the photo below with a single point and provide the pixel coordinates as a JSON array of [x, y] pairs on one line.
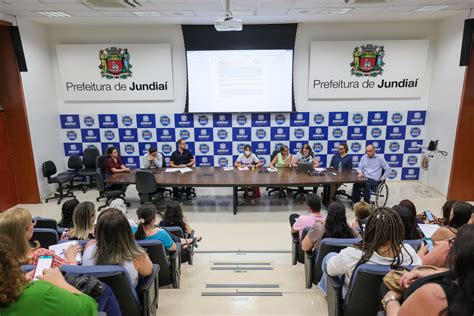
[[115, 63], [367, 61]]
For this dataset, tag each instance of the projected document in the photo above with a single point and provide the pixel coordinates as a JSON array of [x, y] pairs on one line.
[[240, 80]]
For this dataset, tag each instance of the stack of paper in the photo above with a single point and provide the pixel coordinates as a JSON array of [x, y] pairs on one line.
[[428, 229], [320, 169], [244, 168], [59, 249], [181, 170], [272, 169], [172, 169], [228, 168]]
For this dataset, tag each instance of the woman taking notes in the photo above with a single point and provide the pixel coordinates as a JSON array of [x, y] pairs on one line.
[[247, 158]]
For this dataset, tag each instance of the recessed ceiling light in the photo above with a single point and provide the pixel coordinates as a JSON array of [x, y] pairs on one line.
[[54, 14], [335, 10], [428, 8], [147, 13], [178, 13]]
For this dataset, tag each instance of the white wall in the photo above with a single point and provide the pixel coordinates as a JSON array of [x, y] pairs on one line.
[[444, 99], [123, 35], [41, 100], [350, 32], [7, 17]]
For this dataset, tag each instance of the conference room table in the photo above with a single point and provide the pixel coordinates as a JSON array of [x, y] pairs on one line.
[[235, 178]]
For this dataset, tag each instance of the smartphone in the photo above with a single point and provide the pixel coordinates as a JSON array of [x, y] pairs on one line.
[[429, 243], [429, 216], [44, 262]]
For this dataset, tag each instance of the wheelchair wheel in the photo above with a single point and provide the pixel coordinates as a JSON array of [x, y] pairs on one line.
[[381, 195]]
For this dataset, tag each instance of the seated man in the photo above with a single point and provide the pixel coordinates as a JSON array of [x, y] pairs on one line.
[[114, 163], [375, 168], [152, 159], [299, 222], [181, 158]]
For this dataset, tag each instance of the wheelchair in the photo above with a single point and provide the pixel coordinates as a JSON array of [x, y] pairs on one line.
[[378, 196]]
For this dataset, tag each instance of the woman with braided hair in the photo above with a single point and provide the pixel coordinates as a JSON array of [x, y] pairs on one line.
[[382, 243]]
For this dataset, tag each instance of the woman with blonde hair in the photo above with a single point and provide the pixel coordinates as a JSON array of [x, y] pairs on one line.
[[17, 225], [83, 220]]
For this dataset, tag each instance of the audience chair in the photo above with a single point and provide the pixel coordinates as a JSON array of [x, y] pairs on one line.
[[170, 268], [187, 255], [313, 261], [147, 187], [297, 254], [27, 267], [74, 164], [139, 301], [45, 236], [88, 160], [109, 193], [362, 296], [43, 222], [414, 243], [81, 243], [49, 170]]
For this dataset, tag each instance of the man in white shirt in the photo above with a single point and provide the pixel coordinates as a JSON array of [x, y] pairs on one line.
[[152, 159]]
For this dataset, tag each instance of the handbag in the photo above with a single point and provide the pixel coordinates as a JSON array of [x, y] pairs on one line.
[[392, 278], [87, 284]]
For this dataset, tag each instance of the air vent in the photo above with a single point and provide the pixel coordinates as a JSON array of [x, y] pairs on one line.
[[112, 4]]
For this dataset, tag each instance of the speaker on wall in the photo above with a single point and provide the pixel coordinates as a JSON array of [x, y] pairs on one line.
[[18, 47], [466, 42]]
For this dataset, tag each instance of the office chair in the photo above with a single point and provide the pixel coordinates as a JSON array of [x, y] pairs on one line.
[[43, 222], [270, 190], [100, 163], [49, 170], [164, 166], [74, 164], [109, 193], [88, 160], [187, 255], [139, 301], [147, 187]]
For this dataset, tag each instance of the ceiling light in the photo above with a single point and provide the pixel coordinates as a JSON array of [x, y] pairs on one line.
[[147, 13], [54, 14], [335, 10], [430, 8]]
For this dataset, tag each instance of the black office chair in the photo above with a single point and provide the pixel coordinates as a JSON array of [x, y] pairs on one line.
[[100, 163], [139, 301], [74, 164], [88, 160], [109, 193], [147, 187], [270, 190], [170, 268], [49, 170], [187, 255], [45, 236], [164, 166]]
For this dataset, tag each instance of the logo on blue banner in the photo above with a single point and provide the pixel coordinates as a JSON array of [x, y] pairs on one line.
[[89, 120], [146, 120], [223, 148], [261, 148], [392, 174], [203, 134], [357, 132], [241, 119], [338, 118], [73, 149], [131, 162], [318, 118], [415, 131], [280, 133], [204, 148], [357, 118], [318, 147], [165, 134], [71, 135], [337, 133], [356, 147], [261, 133], [412, 146], [165, 120], [166, 149], [147, 135], [377, 118], [299, 133], [410, 173], [318, 133], [240, 148], [241, 134], [184, 120], [128, 135], [280, 119], [203, 120], [395, 132], [376, 132], [397, 117], [416, 117], [90, 135], [109, 135], [184, 134], [223, 162], [129, 149], [299, 119], [394, 161], [394, 146], [222, 120], [260, 119], [412, 160], [204, 161], [69, 121], [127, 120], [222, 134]]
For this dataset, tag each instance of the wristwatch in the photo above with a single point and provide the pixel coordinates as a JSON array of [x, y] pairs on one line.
[[386, 300]]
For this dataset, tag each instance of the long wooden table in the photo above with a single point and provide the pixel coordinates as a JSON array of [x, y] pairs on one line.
[[217, 177]]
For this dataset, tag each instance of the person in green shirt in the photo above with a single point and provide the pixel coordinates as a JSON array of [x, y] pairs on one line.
[[51, 295]]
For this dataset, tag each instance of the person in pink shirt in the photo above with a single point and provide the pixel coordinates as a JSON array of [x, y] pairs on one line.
[[299, 222]]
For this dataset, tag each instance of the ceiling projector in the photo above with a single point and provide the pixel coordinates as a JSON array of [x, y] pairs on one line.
[[228, 24]]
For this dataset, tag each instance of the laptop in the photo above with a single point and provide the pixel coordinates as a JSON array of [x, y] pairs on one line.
[[305, 167]]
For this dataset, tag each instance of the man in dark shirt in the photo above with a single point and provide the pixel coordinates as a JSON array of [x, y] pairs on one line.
[[114, 163], [181, 158], [342, 157]]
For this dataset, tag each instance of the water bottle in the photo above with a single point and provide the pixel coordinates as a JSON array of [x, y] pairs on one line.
[[339, 167]]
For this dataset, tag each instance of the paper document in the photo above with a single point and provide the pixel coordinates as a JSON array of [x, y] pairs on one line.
[[272, 169], [228, 168], [244, 168], [185, 169], [428, 229], [59, 249], [320, 169], [172, 170]]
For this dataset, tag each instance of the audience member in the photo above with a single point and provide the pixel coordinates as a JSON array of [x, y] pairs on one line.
[[409, 222], [67, 209], [446, 209], [361, 212], [115, 245], [83, 223], [451, 295], [17, 225], [173, 216], [299, 222], [460, 214], [382, 243], [409, 205], [336, 226], [51, 295]]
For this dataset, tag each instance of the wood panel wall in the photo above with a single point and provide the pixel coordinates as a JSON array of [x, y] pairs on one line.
[[461, 183], [17, 128]]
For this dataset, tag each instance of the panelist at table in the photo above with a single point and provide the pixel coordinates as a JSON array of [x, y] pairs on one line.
[[248, 158], [375, 168], [114, 163], [182, 158], [305, 155], [282, 159], [152, 160], [342, 157]]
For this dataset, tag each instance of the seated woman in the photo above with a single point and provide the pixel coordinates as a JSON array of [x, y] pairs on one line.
[[450, 295], [114, 163], [361, 212], [17, 225], [335, 227], [51, 295], [67, 209], [382, 243], [83, 220], [247, 159], [115, 245], [409, 222], [282, 159], [342, 158], [446, 210], [460, 214], [305, 155], [173, 216]]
